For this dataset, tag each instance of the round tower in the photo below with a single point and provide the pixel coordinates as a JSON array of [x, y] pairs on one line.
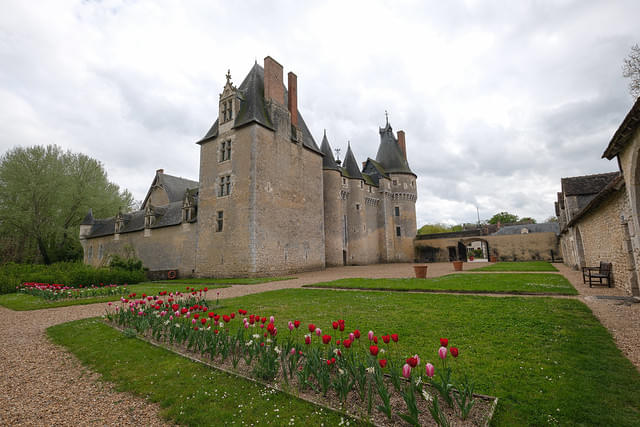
[[334, 195]]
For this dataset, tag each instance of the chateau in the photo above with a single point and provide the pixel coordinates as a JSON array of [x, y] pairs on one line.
[[268, 200]]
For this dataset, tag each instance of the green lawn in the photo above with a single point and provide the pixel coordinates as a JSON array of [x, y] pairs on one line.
[[512, 283], [22, 302], [236, 281], [519, 266], [189, 393], [548, 360]]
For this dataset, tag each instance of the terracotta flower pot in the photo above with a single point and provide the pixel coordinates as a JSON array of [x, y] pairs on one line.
[[421, 271], [457, 265], [494, 258]]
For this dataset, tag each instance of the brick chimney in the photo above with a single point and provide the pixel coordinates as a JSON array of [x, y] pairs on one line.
[[273, 86], [293, 98], [402, 143]]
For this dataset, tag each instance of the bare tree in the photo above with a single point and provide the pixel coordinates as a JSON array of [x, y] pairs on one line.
[[631, 70]]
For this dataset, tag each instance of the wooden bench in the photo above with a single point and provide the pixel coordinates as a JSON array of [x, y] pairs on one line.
[[597, 275]]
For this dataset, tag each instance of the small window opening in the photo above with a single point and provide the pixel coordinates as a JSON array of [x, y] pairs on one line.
[[220, 221], [398, 231], [397, 210]]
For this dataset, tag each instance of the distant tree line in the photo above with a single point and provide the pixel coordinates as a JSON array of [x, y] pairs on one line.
[[45, 192], [501, 217]]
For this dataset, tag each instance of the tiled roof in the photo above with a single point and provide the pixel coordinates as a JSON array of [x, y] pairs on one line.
[[328, 161], [624, 133], [174, 186], [587, 184], [389, 153], [546, 227], [350, 166]]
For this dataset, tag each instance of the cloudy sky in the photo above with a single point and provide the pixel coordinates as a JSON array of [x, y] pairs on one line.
[[499, 99]]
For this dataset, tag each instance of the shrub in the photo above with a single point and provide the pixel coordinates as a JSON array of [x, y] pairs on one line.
[[72, 274]]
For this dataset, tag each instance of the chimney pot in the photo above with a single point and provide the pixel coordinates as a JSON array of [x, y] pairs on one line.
[[402, 143], [273, 86], [293, 98]]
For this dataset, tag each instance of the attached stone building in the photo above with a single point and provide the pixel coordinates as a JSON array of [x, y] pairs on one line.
[[268, 200], [599, 214]]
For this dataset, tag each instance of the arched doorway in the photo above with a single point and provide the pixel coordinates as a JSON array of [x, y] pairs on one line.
[[475, 249]]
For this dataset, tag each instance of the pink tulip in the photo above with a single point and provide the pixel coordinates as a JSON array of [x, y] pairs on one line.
[[171, 317], [442, 352], [352, 337], [246, 326], [272, 319], [290, 325], [318, 331], [193, 321], [370, 335], [406, 370], [293, 351], [430, 370], [415, 356]]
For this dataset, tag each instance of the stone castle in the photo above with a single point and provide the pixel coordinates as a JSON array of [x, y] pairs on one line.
[[268, 200]]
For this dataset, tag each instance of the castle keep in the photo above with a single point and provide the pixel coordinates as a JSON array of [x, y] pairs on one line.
[[268, 200]]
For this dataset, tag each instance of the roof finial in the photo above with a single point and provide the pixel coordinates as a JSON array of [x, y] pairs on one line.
[[337, 151], [325, 133], [228, 76], [387, 116]]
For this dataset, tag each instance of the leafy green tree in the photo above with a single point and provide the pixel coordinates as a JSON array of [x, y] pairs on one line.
[[527, 220], [438, 228], [45, 193], [551, 219], [503, 218]]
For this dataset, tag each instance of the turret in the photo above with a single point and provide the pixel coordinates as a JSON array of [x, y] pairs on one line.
[[334, 199]]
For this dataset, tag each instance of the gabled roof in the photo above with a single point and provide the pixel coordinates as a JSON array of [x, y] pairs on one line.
[[374, 170], [616, 184], [545, 227], [350, 166], [328, 161], [175, 186], [624, 133], [389, 153], [253, 109], [88, 219], [587, 184]]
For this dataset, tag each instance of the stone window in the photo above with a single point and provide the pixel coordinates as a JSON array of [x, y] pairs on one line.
[[227, 111], [344, 181], [90, 253], [220, 221], [358, 206], [224, 188], [397, 210], [395, 182], [100, 251], [398, 233], [225, 151]]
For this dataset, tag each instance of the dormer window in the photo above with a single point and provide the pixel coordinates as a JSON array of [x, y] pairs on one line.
[[227, 111]]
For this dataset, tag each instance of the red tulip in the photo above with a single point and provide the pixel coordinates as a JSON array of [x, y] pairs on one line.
[[337, 342], [373, 349], [357, 334], [312, 327], [216, 317], [375, 340], [444, 342], [326, 339], [184, 310], [175, 307], [383, 363], [226, 318], [203, 320], [454, 351], [307, 339], [341, 325], [347, 343], [196, 316], [386, 339], [215, 331], [264, 319], [296, 323], [233, 315], [211, 314], [412, 361], [335, 325]]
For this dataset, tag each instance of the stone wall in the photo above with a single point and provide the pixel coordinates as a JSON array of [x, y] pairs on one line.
[[603, 238], [510, 247], [168, 248]]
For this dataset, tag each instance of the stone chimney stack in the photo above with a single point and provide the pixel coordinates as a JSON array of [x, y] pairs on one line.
[[273, 86], [293, 98], [402, 143]]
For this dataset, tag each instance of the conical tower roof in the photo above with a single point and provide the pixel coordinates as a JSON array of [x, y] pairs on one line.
[[88, 219], [328, 161], [389, 153], [350, 166]]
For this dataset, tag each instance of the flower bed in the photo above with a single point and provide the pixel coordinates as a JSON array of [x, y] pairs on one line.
[[362, 374], [55, 292]]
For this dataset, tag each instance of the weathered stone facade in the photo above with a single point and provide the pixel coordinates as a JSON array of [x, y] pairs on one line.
[[268, 200]]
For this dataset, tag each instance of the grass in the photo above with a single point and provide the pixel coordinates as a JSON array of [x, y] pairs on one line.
[[189, 393], [519, 266], [23, 302], [237, 281], [548, 360], [497, 283]]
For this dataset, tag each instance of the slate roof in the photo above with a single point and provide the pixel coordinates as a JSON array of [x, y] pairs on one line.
[[374, 170], [350, 166], [616, 184], [624, 133], [389, 153], [587, 184], [546, 227], [166, 216], [328, 161], [253, 109], [175, 186]]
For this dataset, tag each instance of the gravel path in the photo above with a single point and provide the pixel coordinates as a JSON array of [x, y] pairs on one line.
[[42, 384]]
